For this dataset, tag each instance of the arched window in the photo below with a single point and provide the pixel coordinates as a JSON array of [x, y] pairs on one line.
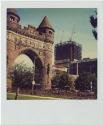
[[50, 32], [12, 18]]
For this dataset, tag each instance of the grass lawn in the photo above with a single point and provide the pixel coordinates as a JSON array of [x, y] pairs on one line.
[[11, 96]]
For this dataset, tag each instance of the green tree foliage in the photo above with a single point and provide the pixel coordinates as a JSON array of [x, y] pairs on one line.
[[72, 82], [93, 21], [22, 76], [83, 81], [61, 80]]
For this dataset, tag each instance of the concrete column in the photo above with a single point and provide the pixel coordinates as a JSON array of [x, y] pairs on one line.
[[77, 68], [46, 81], [9, 76], [46, 74], [9, 84], [11, 56], [9, 69]]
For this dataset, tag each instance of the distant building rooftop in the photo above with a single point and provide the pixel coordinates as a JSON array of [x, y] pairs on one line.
[[59, 67], [68, 42], [84, 60]]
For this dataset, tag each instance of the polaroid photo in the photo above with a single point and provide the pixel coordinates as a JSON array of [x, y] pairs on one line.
[[51, 63]]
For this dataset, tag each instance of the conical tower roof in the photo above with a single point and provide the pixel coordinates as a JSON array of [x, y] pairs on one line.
[[12, 11], [45, 24]]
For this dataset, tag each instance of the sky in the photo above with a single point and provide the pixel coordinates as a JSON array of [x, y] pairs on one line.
[[64, 21]]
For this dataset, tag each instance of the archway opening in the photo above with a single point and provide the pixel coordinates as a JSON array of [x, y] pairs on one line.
[[24, 71]]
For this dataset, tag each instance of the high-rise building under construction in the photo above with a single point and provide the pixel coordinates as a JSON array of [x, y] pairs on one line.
[[67, 52]]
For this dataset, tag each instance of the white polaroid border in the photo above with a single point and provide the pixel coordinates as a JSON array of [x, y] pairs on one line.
[[52, 112]]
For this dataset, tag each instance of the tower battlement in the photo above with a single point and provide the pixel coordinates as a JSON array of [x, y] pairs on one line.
[[44, 32]]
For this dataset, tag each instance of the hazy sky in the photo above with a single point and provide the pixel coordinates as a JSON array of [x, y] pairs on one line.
[[63, 20]]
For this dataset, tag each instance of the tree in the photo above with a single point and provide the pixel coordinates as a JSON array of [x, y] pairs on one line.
[[55, 80], [72, 82], [61, 80], [93, 21], [22, 77], [83, 81]]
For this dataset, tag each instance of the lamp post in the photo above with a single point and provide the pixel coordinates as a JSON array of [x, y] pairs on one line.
[[91, 86], [77, 68], [33, 82]]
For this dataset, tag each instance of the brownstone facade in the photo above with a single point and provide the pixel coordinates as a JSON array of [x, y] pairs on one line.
[[36, 43]]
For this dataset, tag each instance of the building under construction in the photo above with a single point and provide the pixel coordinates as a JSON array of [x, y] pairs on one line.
[[67, 52]]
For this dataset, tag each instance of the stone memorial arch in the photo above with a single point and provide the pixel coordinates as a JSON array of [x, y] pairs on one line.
[[34, 42]]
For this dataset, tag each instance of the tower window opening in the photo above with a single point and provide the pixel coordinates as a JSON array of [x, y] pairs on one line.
[[50, 32], [12, 18]]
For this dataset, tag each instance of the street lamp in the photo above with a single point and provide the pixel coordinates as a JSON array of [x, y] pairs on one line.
[[33, 82], [91, 86]]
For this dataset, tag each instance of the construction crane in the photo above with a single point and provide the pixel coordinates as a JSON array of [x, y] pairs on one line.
[[73, 31], [62, 33], [70, 39]]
